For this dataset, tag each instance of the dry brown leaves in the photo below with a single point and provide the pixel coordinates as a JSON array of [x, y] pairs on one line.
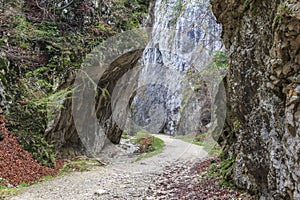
[[17, 165], [190, 181]]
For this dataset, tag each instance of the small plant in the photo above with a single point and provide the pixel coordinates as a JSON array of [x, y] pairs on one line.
[[125, 135], [22, 185], [7, 191], [40, 149]]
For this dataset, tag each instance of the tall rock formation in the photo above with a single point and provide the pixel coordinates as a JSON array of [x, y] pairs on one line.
[[171, 91], [262, 133], [173, 82]]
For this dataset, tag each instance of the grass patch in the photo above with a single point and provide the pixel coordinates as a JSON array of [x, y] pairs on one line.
[[125, 135], [80, 165], [157, 149], [149, 145], [8, 192]]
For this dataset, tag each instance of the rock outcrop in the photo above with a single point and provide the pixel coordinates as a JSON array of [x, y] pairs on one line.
[[173, 82], [262, 133], [168, 90]]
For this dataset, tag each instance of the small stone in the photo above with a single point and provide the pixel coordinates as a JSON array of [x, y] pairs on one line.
[[278, 71], [150, 198], [286, 69], [270, 85], [100, 192]]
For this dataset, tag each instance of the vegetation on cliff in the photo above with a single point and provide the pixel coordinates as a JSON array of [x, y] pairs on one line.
[[42, 43]]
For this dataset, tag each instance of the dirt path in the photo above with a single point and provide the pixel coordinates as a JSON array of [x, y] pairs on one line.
[[121, 179]]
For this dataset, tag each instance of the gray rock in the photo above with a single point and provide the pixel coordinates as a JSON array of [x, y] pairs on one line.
[[183, 37], [262, 132], [100, 192]]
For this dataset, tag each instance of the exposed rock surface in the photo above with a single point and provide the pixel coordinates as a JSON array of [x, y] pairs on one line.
[[262, 133], [166, 91], [173, 81]]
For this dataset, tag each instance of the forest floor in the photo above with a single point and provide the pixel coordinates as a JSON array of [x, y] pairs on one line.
[[179, 172]]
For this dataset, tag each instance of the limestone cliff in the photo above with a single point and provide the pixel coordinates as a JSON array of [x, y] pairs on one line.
[[262, 133], [167, 95], [172, 82]]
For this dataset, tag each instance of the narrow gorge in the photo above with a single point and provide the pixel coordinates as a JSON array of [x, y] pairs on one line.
[[165, 85], [78, 76]]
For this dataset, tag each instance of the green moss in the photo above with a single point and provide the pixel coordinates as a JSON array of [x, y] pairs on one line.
[[236, 124], [223, 172], [80, 165]]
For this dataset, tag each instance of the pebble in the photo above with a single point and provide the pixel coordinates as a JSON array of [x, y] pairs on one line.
[[100, 192]]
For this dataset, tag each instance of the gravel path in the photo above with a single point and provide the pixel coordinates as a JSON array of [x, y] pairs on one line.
[[121, 178]]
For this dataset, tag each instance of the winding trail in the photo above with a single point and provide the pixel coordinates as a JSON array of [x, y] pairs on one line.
[[120, 179]]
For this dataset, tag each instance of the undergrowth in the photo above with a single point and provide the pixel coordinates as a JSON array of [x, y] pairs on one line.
[[42, 45]]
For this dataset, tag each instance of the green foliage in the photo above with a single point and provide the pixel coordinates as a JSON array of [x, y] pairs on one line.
[[43, 51], [125, 135], [247, 2], [226, 172], [29, 116], [223, 172], [41, 150], [22, 185], [8, 192], [29, 124], [220, 60], [216, 150]]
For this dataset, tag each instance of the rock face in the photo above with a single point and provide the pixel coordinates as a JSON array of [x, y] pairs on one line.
[[167, 90], [174, 95], [262, 133], [80, 129]]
